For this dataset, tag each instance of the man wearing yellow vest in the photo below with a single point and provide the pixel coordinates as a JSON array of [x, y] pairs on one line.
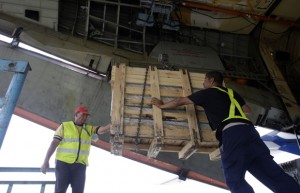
[[72, 142], [241, 146]]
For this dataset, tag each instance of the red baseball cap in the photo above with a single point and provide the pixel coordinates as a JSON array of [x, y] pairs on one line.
[[82, 109]]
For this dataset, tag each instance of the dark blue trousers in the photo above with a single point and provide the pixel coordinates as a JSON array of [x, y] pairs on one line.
[[69, 174], [243, 150]]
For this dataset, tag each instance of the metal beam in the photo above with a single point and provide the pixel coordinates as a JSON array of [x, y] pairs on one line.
[[271, 18], [9, 101], [282, 87], [20, 169]]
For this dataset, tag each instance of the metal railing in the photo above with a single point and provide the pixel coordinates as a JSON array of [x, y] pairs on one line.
[[11, 183]]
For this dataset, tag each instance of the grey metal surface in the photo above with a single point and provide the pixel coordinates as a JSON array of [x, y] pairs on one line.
[[53, 92], [188, 56]]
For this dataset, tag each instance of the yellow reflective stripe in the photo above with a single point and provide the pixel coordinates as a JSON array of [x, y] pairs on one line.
[[73, 151], [234, 104]]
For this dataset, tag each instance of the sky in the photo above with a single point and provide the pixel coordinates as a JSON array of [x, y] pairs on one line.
[[26, 143]]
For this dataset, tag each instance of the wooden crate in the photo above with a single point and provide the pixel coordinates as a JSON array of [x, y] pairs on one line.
[[137, 125]]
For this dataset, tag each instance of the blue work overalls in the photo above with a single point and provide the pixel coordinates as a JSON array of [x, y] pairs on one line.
[[243, 150], [69, 174]]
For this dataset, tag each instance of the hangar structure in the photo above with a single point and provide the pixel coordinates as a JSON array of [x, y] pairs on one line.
[[254, 43]]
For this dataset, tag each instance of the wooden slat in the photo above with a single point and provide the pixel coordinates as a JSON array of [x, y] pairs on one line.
[[155, 147], [202, 118], [283, 89], [208, 135], [174, 132], [165, 81], [167, 78], [215, 155], [170, 78], [137, 78], [157, 112], [190, 109], [157, 115], [170, 148], [168, 74], [146, 131], [170, 142], [151, 113], [164, 92], [169, 81], [197, 80], [190, 148], [134, 70], [187, 150], [118, 109], [118, 98], [166, 115]]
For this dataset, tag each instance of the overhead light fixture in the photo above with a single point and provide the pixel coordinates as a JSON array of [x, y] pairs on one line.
[[163, 58], [16, 36], [144, 19], [171, 25], [164, 10]]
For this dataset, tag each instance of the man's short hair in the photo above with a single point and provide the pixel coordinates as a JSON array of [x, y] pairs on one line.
[[218, 76]]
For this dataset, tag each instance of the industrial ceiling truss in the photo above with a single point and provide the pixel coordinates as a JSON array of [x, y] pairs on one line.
[[137, 25]]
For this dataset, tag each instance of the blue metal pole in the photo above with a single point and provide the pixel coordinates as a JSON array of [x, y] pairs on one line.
[[8, 103]]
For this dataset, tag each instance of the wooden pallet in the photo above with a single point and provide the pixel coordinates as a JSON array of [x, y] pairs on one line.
[[137, 125]]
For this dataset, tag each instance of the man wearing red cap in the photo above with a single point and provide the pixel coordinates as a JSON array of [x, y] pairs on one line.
[[73, 141]]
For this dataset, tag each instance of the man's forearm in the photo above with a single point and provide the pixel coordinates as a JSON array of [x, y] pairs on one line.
[[103, 129], [171, 104], [175, 103], [51, 150]]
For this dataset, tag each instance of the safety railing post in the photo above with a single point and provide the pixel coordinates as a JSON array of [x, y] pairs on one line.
[[8, 103]]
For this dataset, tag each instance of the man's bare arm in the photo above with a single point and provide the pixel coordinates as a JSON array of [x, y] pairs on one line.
[[103, 129], [171, 104]]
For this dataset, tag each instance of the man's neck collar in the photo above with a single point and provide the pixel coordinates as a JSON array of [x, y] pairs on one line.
[[77, 124]]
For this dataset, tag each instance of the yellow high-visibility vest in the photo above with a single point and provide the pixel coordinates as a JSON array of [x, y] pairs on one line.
[[75, 146], [233, 105]]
